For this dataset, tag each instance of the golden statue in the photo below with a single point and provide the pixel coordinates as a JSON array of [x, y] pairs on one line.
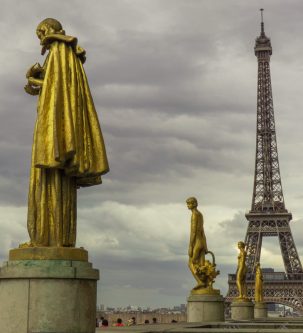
[[241, 273], [68, 148], [258, 284], [203, 270]]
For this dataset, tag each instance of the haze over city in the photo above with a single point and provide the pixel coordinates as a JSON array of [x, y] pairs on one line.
[[174, 83]]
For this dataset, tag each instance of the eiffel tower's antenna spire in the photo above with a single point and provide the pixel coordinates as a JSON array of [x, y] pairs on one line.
[[262, 23], [262, 42]]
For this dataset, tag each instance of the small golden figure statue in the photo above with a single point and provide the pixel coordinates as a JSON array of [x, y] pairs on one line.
[[203, 270], [258, 284], [241, 273], [68, 148]]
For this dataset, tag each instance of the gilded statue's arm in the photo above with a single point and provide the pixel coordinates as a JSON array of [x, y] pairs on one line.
[[242, 258], [34, 71], [35, 81], [193, 232]]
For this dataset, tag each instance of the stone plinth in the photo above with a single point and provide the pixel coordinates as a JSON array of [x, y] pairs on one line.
[[48, 296], [48, 253], [242, 310], [260, 310], [205, 308]]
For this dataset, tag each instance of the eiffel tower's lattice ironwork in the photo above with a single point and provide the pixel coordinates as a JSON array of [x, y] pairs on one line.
[[268, 215]]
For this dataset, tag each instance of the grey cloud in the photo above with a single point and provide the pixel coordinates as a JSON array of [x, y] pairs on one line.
[[230, 227]]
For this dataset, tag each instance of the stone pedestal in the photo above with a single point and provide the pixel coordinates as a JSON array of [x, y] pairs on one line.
[[242, 310], [48, 296], [260, 310], [205, 308]]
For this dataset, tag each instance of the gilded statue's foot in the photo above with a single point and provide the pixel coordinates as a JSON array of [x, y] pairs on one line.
[[199, 286], [242, 299], [25, 245]]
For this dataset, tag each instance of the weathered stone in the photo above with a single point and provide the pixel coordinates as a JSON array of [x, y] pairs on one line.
[[46, 296], [34, 271], [48, 253], [242, 310], [14, 296], [205, 308], [91, 274], [260, 310], [81, 264]]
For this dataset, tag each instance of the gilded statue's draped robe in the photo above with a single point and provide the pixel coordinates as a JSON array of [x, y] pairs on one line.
[[68, 148]]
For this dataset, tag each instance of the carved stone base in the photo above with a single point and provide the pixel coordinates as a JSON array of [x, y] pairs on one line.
[[205, 291], [44, 296], [242, 310], [205, 308], [48, 253], [260, 310]]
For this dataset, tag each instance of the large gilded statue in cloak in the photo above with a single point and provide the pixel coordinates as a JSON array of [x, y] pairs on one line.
[[68, 148]]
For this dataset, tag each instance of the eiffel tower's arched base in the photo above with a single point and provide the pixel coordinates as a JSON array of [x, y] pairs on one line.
[[285, 292]]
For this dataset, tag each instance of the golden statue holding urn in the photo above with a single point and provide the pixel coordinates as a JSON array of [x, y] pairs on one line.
[[203, 270]]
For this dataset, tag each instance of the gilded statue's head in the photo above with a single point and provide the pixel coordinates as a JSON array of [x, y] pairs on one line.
[[241, 245], [47, 27], [192, 203]]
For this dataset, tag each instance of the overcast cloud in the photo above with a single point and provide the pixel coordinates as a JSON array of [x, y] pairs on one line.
[[174, 83]]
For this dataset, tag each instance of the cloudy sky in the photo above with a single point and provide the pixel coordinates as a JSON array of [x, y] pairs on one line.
[[174, 83]]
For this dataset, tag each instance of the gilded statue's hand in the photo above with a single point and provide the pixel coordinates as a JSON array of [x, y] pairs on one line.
[[34, 71], [33, 86], [35, 80], [32, 90]]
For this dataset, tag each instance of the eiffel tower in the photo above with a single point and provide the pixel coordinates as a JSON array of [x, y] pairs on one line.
[[268, 216]]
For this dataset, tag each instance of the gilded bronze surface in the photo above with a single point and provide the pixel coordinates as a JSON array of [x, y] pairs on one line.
[[241, 273], [203, 270], [68, 149], [258, 284], [49, 253]]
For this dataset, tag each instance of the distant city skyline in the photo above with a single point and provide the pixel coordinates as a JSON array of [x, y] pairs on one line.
[[103, 307], [174, 83]]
